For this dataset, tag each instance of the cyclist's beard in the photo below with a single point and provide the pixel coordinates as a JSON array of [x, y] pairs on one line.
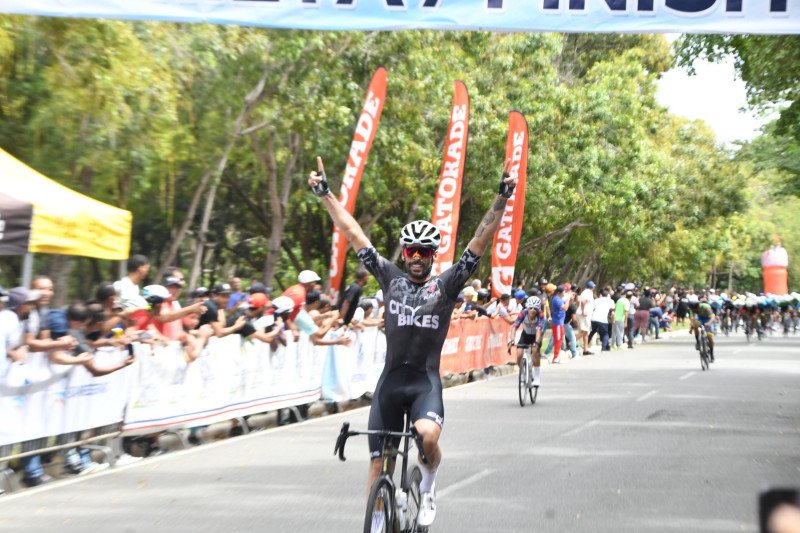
[[426, 270]]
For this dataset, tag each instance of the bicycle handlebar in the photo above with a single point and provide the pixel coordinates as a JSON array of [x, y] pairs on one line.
[[345, 434]]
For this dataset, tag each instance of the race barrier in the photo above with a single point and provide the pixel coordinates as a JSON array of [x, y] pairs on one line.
[[43, 403]]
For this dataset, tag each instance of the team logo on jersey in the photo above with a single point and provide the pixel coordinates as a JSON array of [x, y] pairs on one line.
[[407, 316]]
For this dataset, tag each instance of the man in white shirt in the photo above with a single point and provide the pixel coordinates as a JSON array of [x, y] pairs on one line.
[[584, 314], [600, 323], [128, 287]]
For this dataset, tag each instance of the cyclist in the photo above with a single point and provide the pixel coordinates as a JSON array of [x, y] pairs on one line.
[[418, 310], [704, 314], [533, 323]]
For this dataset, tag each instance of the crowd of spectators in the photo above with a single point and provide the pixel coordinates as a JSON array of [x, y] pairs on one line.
[[128, 311]]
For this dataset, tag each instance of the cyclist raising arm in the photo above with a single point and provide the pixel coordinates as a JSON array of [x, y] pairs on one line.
[[418, 311]]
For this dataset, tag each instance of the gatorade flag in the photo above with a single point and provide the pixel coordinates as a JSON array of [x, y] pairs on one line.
[[506, 238], [448, 195], [359, 150]]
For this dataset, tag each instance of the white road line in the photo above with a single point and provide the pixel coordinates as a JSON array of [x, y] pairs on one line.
[[580, 428], [646, 396], [463, 483], [686, 376]]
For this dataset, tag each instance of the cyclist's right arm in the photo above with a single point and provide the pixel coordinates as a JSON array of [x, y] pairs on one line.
[[341, 218]]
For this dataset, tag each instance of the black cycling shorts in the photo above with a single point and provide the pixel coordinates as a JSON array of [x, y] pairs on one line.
[[402, 389], [527, 339]]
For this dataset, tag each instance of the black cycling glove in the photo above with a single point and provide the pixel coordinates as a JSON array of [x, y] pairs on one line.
[[322, 188], [505, 189]]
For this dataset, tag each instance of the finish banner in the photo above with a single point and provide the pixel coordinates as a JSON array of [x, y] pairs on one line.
[[506, 238], [359, 150], [448, 196], [633, 16]]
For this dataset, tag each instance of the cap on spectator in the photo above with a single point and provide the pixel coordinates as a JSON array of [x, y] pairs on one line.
[[20, 295], [550, 288], [155, 294], [199, 292], [590, 285], [257, 300], [221, 288], [629, 286], [307, 276], [312, 296], [258, 287], [560, 288], [379, 296], [519, 294], [567, 286], [469, 293], [282, 304], [543, 281], [173, 280]]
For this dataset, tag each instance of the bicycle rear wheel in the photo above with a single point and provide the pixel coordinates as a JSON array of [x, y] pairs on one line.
[[380, 507], [414, 500], [523, 379]]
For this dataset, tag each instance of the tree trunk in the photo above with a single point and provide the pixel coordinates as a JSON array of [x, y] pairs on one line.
[[197, 264], [59, 271]]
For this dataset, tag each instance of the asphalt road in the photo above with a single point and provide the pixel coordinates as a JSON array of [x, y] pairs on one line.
[[626, 441]]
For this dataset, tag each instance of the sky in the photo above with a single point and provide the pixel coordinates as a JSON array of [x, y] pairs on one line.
[[714, 95]]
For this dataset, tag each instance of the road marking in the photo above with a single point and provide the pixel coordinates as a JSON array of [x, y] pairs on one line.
[[646, 396], [463, 483], [737, 350], [686, 376], [580, 428]]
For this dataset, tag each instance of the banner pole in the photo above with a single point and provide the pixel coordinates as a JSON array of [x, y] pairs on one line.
[[27, 269]]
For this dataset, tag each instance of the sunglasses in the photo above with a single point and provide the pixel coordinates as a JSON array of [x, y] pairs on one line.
[[424, 253]]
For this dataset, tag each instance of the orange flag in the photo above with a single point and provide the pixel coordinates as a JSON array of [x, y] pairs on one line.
[[506, 238], [448, 196], [359, 150]]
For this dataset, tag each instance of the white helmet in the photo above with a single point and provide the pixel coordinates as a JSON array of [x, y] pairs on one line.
[[420, 233], [283, 304], [307, 276], [533, 302]]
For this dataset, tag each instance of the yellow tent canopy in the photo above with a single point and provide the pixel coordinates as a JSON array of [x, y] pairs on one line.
[[64, 221]]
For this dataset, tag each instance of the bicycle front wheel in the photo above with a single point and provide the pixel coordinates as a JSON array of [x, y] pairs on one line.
[[523, 379], [380, 507], [414, 500], [703, 350]]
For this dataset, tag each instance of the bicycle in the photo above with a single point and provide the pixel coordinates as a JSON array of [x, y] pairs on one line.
[[704, 348], [526, 387], [400, 508]]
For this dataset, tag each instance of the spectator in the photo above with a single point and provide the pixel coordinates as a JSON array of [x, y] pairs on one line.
[[570, 320], [470, 298], [584, 313], [170, 311], [621, 308], [37, 331], [128, 286], [633, 302], [350, 297], [654, 320], [194, 336], [252, 312], [306, 281], [215, 312], [284, 306], [515, 305], [500, 308], [558, 312], [237, 296], [601, 311], [642, 316]]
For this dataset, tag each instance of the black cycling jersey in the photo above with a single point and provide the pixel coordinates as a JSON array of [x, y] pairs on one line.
[[416, 321], [417, 315]]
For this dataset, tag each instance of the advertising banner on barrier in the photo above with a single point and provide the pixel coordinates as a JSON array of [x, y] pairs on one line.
[[232, 377], [447, 205], [506, 238], [639, 16], [39, 399], [473, 344], [359, 150]]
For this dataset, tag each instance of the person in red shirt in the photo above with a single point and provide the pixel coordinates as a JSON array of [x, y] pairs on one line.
[[307, 279]]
